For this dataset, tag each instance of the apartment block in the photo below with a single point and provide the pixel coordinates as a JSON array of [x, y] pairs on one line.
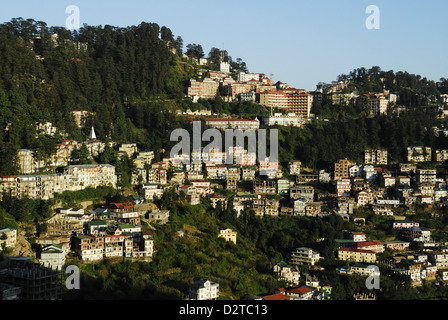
[[228, 123], [294, 101], [356, 255], [88, 248], [419, 154], [84, 176], [305, 256], [375, 156], [205, 89], [341, 169], [35, 186], [426, 175]]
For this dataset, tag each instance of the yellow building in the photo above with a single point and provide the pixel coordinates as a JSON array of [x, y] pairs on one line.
[[357, 255]]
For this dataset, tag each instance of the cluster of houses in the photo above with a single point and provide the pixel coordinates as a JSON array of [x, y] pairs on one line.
[[259, 88], [105, 232]]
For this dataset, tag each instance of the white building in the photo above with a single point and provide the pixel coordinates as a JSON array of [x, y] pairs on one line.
[[224, 67], [305, 256], [84, 176], [289, 120], [204, 289], [369, 173], [245, 77], [53, 257]]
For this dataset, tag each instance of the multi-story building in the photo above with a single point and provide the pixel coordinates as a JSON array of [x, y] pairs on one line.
[[283, 186], [341, 169], [305, 256], [124, 212], [246, 77], [26, 161], [356, 255], [441, 155], [416, 234], [438, 258], [375, 156], [59, 226], [248, 172], [369, 173], [376, 103], [264, 186], [261, 207], [289, 120], [396, 245], [152, 191], [88, 248], [285, 272], [191, 193], [206, 89], [343, 187], [84, 176], [305, 192], [419, 154], [53, 257], [364, 198], [35, 186], [227, 234], [228, 123], [231, 91], [426, 175], [405, 224], [375, 246], [270, 169], [159, 216], [117, 245], [203, 289], [294, 167], [358, 236], [294, 101], [364, 270]]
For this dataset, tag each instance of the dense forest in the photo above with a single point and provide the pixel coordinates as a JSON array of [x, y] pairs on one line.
[[128, 78]]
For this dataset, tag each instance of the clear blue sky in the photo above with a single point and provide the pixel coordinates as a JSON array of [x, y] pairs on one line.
[[300, 42]]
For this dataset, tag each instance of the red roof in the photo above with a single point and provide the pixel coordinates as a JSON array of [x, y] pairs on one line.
[[357, 250], [300, 290], [276, 296], [368, 244], [124, 205]]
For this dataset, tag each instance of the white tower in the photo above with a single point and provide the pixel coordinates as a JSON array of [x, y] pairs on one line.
[[92, 135]]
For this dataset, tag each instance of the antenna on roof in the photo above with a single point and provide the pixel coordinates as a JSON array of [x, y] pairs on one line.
[[222, 53]]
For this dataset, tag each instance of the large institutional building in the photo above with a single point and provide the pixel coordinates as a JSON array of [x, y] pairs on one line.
[[294, 101]]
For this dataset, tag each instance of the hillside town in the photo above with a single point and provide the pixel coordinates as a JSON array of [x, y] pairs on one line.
[[115, 230]]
